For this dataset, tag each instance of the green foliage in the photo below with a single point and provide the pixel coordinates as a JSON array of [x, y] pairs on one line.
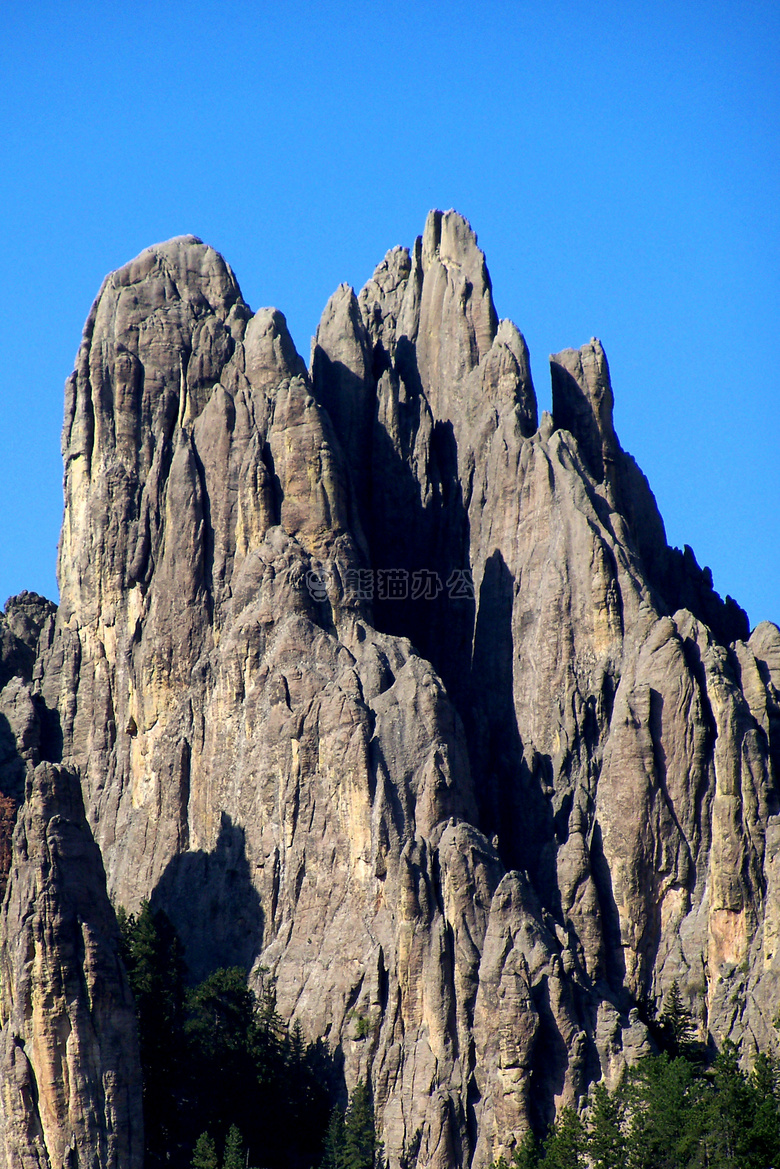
[[234, 1150], [362, 1027], [351, 1141], [205, 1153], [664, 1106], [360, 1143], [677, 1031], [744, 1116], [527, 1155], [219, 1062], [764, 1133], [606, 1143], [669, 1112], [334, 1141], [155, 968], [565, 1144]]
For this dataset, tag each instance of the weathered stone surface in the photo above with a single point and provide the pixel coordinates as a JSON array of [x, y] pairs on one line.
[[493, 823], [26, 627], [70, 1088], [21, 626]]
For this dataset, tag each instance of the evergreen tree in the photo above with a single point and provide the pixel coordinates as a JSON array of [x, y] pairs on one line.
[[155, 968], [334, 1141], [527, 1155], [566, 1142], [234, 1150], [217, 1058], [667, 1114], [351, 1142], [764, 1133], [360, 1144], [731, 1112], [205, 1154], [220, 1027], [677, 1031], [606, 1141]]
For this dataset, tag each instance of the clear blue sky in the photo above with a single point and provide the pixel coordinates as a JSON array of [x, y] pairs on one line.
[[619, 163]]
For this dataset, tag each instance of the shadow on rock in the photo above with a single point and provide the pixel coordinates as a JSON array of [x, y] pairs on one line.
[[511, 788], [212, 905]]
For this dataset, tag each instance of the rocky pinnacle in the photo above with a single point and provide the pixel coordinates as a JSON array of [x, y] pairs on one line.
[[374, 680]]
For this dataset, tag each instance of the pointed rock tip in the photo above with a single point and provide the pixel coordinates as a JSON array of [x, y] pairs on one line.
[[450, 236], [393, 270], [593, 349], [582, 402], [345, 293], [342, 307], [269, 350], [508, 334]]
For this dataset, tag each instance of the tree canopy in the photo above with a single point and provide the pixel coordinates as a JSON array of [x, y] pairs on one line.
[[672, 1110], [221, 1071]]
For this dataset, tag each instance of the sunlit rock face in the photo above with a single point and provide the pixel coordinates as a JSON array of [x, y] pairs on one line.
[[373, 680], [70, 1082]]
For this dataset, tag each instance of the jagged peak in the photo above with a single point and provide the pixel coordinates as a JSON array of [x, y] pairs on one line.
[[341, 301], [224, 655], [583, 402], [269, 350], [508, 334], [450, 238], [394, 268]]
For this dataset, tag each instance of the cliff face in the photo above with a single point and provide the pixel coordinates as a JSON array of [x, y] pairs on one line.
[[371, 678], [70, 1084]]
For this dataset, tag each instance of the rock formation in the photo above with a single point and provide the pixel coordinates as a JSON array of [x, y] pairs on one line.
[[372, 678], [70, 1092]]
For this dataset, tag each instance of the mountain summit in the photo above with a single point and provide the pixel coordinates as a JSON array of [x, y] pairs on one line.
[[373, 680]]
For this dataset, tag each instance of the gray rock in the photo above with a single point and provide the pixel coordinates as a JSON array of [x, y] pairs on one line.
[[494, 823], [70, 1085]]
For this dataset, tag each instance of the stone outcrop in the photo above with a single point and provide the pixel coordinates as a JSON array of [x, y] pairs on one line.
[[374, 679], [26, 626], [70, 1085]]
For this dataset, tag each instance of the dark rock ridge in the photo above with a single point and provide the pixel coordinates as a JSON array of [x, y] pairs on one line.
[[494, 824]]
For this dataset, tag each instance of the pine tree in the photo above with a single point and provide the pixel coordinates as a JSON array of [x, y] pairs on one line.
[[205, 1154], [676, 1023], [565, 1145], [606, 1142], [527, 1155], [360, 1144], [155, 967], [667, 1113], [731, 1111], [234, 1150], [764, 1134], [334, 1141]]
